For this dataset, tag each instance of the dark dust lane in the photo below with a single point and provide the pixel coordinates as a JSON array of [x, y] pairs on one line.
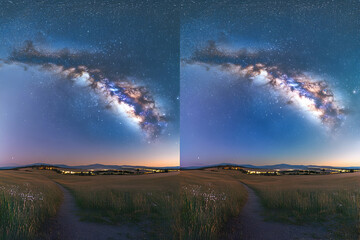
[[67, 225], [251, 225]]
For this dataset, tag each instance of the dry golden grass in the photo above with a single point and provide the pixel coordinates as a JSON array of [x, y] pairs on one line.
[[209, 199], [333, 200], [27, 201], [192, 204], [137, 199], [186, 205]]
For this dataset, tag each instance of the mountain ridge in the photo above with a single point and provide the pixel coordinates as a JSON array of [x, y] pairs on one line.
[[282, 166], [96, 166]]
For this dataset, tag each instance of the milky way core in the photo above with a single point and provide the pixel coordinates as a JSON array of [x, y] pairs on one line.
[[298, 88], [122, 97]]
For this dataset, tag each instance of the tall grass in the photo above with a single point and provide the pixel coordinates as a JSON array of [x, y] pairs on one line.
[[208, 199], [118, 206], [27, 201], [189, 205], [205, 209], [148, 201], [332, 201], [339, 208], [312, 204]]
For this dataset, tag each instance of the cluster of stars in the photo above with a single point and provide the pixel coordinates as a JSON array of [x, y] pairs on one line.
[[122, 97], [300, 89]]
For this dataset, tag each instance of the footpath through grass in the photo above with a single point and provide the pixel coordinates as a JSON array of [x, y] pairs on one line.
[[186, 205], [27, 201], [148, 201], [192, 204], [330, 200]]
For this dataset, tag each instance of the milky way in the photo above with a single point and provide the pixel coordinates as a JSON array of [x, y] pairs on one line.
[[121, 95], [300, 89]]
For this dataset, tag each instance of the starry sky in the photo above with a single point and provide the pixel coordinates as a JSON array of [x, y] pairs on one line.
[[267, 82], [87, 82]]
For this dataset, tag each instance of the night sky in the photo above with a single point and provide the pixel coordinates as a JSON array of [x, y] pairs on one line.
[[265, 82], [257, 82], [89, 82]]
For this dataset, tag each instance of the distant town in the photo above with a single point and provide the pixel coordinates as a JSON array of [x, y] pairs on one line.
[[104, 171], [274, 172]]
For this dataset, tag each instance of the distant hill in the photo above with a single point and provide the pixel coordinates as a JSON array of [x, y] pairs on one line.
[[8, 167], [96, 166], [282, 166]]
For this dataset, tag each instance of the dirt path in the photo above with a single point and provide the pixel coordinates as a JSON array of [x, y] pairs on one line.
[[67, 225], [251, 225]]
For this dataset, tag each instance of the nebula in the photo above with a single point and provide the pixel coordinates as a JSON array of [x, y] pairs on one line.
[[122, 96], [299, 88]]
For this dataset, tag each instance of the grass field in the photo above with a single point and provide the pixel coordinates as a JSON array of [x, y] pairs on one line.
[[208, 200], [186, 205], [192, 204], [27, 201], [333, 200], [139, 199]]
